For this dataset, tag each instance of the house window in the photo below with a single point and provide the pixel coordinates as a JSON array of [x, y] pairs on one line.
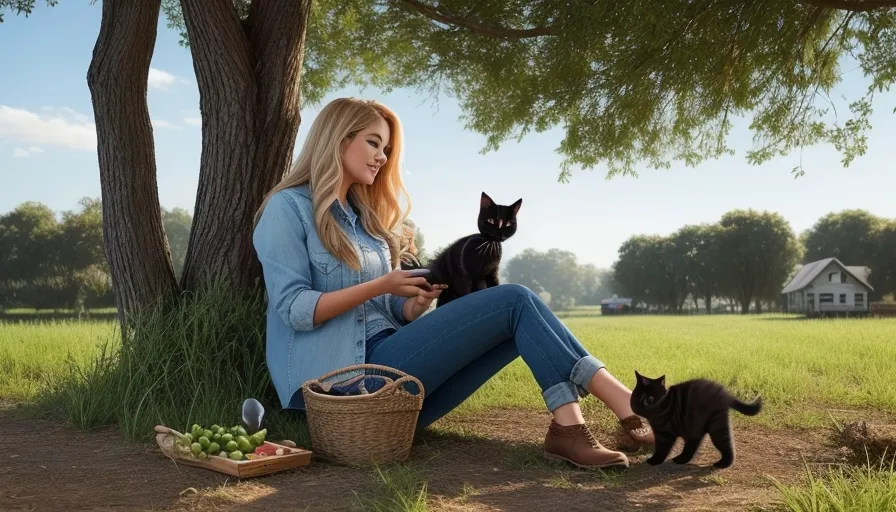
[[860, 299], [833, 277], [842, 298], [825, 298], [810, 299]]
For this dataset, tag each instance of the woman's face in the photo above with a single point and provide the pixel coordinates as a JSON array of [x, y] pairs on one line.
[[363, 156]]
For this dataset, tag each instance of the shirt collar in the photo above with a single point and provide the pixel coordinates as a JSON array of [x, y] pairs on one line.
[[347, 214]]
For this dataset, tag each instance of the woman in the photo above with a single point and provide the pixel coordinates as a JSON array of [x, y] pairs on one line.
[[328, 239]]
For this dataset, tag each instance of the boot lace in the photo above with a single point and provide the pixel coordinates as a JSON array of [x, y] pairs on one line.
[[590, 437]]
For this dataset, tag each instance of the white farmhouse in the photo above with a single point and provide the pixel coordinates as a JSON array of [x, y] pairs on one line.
[[828, 287]]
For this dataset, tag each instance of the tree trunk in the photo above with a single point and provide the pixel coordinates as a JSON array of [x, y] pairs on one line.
[[758, 306], [249, 86], [745, 306], [707, 302], [133, 235]]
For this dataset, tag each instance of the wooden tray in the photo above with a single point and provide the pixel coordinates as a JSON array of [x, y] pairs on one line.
[[166, 437]]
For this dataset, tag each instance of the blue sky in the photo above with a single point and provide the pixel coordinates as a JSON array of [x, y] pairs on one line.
[[48, 154]]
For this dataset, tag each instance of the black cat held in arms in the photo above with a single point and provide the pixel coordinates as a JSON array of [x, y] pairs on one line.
[[689, 410], [471, 263]]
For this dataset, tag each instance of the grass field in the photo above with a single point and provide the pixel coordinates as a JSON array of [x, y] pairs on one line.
[[802, 368], [814, 364], [34, 354]]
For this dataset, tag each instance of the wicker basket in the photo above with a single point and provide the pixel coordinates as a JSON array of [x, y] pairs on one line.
[[365, 429]]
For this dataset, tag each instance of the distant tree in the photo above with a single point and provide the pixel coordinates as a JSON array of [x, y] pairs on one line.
[[597, 284], [758, 250], [886, 266], [854, 238], [177, 222], [80, 264], [701, 247], [635, 270], [555, 271], [27, 236]]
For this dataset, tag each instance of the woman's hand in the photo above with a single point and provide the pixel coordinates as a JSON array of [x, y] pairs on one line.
[[402, 283], [415, 307]]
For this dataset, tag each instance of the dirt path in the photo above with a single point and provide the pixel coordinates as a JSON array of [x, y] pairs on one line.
[[499, 468]]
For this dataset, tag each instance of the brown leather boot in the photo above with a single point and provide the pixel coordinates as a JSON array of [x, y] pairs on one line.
[[575, 444]]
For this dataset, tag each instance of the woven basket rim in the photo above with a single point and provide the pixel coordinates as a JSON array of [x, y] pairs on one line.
[[391, 387]]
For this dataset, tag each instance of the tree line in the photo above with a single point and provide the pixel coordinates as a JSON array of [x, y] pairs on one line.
[[747, 257], [50, 261]]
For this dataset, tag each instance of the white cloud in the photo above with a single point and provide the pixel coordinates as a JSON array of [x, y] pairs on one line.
[[20, 153], [159, 123], [159, 79], [194, 121], [74, 131], [35, 149]]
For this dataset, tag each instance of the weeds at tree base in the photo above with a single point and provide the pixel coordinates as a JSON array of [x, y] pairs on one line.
[[177, 364]]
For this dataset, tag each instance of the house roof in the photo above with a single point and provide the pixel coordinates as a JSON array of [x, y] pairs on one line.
[[810, 271]]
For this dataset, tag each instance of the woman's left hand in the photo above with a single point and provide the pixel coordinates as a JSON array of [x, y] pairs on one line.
[[419, 304]]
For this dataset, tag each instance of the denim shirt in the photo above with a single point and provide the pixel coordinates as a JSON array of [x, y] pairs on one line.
[[297, 270]]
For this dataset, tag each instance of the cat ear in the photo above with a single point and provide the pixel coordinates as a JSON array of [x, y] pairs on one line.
[[516, 206], [639, 378], [485, 201], [661, 380]]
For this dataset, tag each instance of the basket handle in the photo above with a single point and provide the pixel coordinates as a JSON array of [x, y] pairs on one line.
[[405, 378]]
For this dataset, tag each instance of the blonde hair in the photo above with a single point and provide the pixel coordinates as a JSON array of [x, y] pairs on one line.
[[320, 165], [408, 248]]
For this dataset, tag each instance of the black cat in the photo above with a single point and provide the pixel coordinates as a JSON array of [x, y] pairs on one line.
[[689, 410], [471, 263]]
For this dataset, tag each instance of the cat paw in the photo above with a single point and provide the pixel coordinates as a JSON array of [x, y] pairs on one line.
[[681, 460], [722, 464], [654, 461]]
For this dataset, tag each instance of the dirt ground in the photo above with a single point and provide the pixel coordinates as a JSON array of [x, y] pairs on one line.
[[45, 465]]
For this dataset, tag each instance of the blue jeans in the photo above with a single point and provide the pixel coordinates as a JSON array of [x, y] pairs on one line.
[[457, 347]]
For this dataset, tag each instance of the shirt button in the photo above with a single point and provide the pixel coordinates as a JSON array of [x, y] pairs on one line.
[[360, 319]]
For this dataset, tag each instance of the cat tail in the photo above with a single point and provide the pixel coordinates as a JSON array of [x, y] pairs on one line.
[[749, 409]]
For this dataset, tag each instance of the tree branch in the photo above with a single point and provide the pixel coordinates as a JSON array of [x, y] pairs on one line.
[[854, 5], [442, 15]]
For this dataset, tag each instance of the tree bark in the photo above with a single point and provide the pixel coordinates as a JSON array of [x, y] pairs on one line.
[[248, 77], [133, 234]]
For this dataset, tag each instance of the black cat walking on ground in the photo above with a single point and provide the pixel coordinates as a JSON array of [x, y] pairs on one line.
[[471, 263], [689, 410]]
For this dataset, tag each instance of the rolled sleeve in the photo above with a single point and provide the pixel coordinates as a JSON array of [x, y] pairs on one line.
[[280, 243], [397, 306]]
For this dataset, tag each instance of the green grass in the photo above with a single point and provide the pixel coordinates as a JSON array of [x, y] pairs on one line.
[[841, 489], [32, 311], [798, 366], [398, 487], [35, 354]]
